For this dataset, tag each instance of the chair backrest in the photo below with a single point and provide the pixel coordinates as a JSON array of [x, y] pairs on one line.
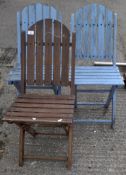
[[46, 55], [30, 15], [96, 29]]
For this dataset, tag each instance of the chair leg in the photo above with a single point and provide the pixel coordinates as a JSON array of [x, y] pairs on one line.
[[57, 90], [30, 130], [110, 96], [75, 97], [21, 146], [18, 88], [70, 138], [113, 109]]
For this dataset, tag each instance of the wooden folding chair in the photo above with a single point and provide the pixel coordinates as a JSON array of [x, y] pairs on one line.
[[96, 30], [55, 67]]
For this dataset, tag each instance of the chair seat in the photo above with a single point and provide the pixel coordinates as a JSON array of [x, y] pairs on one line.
[[98, 75], [33, 108]]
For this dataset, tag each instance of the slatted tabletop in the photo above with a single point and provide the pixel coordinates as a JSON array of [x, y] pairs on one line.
[[84, 75]]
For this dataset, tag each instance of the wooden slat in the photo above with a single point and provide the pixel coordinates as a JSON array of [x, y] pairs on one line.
[[52, 106], [109, 34], [37, 96], [93, 50], [38, 115], [101, 31], [94, 81], [39, 12], [45, 11], [97, 77], [86, 32], [72, 24], [23, 63], [24, 25], [115, 25], [95, 73], [39, 53], [97, 68], [38, 120], [89, 31], [57, 51], [65, 56], [31, 57], [73, 65], [48, 51], [25, 19], [79, 28], [19, 36], [31, 14], [46, 101], [53, 13], [43, 110]]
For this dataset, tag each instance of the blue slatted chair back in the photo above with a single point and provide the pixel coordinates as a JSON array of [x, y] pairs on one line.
[[30, 15], [96, 29]]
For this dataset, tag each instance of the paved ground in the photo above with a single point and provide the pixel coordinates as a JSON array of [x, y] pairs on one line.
[[97, 149]]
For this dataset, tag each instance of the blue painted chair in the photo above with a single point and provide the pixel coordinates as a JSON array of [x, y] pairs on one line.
[[28, 16], [96, 31]]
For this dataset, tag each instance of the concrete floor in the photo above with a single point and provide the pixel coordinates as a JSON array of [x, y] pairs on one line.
[[97, 149]]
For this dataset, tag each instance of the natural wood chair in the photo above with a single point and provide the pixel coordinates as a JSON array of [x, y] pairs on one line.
[[55, 67]]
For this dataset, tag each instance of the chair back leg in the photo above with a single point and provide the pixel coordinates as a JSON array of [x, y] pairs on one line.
[[70, 139]]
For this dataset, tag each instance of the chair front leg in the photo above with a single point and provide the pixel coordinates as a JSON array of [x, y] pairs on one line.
[[110, 96], [70, 138], [17, 85], [113, 109], [75, 96], [21, 145]]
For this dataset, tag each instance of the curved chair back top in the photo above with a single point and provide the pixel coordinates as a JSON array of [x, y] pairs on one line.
[[96, 29], [30, 15], [46, 55]]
